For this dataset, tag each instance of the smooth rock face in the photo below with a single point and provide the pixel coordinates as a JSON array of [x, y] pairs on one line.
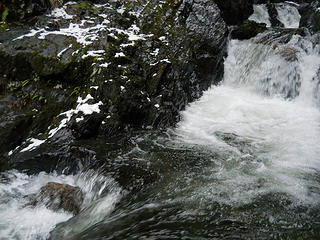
[[58, 196]]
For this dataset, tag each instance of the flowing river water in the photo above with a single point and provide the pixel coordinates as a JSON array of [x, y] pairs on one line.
[[243, 163]]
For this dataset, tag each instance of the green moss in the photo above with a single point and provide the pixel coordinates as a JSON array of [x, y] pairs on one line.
[[86, 5], [5, 14], [44, 46]]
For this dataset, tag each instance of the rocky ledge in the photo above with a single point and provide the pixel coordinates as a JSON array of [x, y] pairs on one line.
[[78, 70]]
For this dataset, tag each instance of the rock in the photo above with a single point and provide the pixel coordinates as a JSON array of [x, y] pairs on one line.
[[87, 126], [235, 12], [56, 196], [13, 130], [138, 72], [22, 10], [248, 30], [3, 163], [310, 16], [27, 10], [273, 14], [62, 156]]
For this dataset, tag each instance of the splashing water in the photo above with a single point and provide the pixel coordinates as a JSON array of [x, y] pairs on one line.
[[264, 121], [288, 15], [18, 221], [260, 14]]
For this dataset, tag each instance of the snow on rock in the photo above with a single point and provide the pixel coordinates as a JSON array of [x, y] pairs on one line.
[[33, 144], [83, 107]]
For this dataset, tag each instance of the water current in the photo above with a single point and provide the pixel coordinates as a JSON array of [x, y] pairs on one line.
[[243, 163]]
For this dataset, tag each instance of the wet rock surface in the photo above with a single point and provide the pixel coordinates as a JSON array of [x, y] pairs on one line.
[[310, 16], [56, 196], [248, 30], [235, 12], [81, 72], [91, 70]]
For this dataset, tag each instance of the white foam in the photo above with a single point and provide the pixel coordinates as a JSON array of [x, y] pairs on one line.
[[260, 14], [288, 15], [18, 221], [265, 143]]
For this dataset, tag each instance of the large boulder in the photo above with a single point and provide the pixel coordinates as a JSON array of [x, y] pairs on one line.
[[310, 16], [57, 196], [235, 12], [26, 10], [87, 70]]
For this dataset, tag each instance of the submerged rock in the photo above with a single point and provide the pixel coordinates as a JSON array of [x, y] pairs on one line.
[[288, 53], [248, 30], [56, 196]]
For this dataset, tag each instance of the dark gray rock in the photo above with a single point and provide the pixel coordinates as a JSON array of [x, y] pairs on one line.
[[88, 127], [248, 30], [235, 12], [142, 83], [62, 156], [273, 14], [56, 196], [310, 16]]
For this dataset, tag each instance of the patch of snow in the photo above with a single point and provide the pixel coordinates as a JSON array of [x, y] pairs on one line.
[[79, 119], [82, 106], [93, 53], [103, 15], [33, 144], [121, 10], [32, 33], [60, 13], [165, 60], [155, 52], [104, 65], [113, 35], [123, 45], [61, 52], [120, 54]]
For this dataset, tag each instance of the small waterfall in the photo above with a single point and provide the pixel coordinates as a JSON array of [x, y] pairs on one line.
[[260, 14], [288, 15], [263, 120]]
